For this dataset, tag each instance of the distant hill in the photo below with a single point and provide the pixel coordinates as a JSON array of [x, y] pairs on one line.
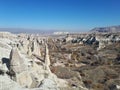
[[106, 29], [22, 30]]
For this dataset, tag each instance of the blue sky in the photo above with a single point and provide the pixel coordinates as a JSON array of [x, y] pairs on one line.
[[73, 15]]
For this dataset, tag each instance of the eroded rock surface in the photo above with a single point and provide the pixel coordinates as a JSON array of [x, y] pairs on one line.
[[68, 62]]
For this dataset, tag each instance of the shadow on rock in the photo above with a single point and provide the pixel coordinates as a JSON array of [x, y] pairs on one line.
[[6, 61]]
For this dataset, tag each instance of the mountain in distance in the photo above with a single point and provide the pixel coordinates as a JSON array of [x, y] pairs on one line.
[[24, 30], [38, 31], [106, 29]]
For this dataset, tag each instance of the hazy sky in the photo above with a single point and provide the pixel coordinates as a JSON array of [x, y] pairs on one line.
[[59, 14]]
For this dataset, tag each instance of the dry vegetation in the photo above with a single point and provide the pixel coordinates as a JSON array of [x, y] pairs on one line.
[[99, 69]]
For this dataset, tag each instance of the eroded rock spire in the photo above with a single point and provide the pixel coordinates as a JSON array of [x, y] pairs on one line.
[[16, 61], [47, 58]]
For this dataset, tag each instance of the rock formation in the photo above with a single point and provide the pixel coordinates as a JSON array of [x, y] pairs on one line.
[[36, 48], [17, 64], [47, 59], [34, 62]]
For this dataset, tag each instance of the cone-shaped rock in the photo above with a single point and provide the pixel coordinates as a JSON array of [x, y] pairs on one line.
[[16, 61], [47, 59], [36, 48]]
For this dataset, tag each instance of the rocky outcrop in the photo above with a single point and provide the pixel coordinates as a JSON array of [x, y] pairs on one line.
[[47, 59], [29, 52], [68, 38], [29, 46], [8, 84], [101, 45], [49, 63], [36, 48], [7, 35], [20, 69], [17, 64], [35, 75]]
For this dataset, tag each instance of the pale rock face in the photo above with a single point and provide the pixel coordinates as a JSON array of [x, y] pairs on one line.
[[81, 43], [5, 45], [84, 39], [29, 51], [7, 35], [68, 39], [31, 77], [117, 38], [7, 42], [118, 87], [4, 68], [97, 38], [49, 84], [20, 47], [5, 53], [5, 49], [7, 84], [109, 43], [47, 60], [38, 71], [101, 45], [53, 83], [24, 79], [16, 61], [36, 48], [29, 48], [25, 45]]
